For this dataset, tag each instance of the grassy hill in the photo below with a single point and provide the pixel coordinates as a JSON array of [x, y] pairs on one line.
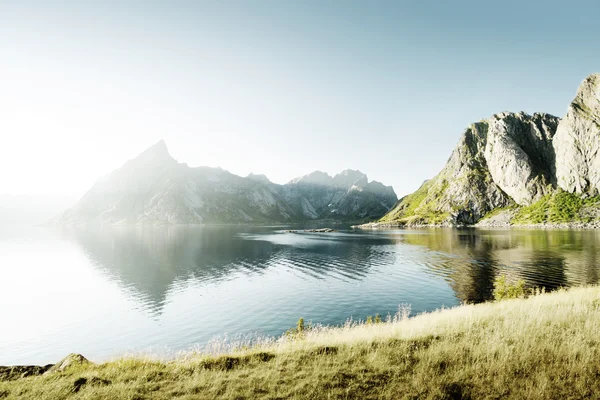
[[545, 346]]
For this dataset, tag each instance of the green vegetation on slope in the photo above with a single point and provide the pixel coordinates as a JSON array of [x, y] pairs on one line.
[[560, 207], [420, 207], [557, 208], [546, 346]]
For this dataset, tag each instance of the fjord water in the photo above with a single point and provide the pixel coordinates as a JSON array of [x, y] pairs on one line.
[[105, 292]]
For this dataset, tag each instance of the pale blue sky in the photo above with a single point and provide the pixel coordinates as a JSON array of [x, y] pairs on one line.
[[275, 87]]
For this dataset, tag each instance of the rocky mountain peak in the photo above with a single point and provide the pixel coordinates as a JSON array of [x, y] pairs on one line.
[[258, 178], [315, 178], [588, 95], [349, 178], [156, 154]]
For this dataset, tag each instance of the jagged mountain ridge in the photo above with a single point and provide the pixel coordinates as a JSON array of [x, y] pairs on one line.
[[154, 188], [512, 159]]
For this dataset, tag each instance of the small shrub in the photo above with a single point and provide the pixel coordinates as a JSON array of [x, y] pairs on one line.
[[298, 331], [504, 290]]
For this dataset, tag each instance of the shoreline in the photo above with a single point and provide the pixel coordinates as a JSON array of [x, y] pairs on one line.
[[479, 225], [489, 350]]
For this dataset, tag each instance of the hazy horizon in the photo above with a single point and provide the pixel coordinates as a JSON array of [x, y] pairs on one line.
[[274, 88]]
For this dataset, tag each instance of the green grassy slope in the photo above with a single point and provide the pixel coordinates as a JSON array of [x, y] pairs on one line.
[[560, 207]]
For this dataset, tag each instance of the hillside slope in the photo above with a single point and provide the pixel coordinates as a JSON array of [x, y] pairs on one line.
[[512, 161]]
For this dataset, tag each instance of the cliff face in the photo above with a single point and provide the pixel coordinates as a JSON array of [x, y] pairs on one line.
[[500, 161], [520, 156], [154, 188], [577, 142], [512, 159]]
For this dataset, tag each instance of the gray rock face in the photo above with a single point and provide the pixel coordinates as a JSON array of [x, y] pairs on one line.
[[520, 156], [577, 141], [154, 188], [68, 362], [466, 183], [503, 160]]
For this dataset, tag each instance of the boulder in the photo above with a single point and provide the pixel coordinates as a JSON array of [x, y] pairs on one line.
[[69, 361]]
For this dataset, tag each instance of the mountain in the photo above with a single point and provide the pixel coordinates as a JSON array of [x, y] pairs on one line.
[[347, 194], [154, 188], [534, 168]]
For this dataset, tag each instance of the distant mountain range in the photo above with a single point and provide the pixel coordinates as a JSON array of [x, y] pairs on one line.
[[154, 188], [517, 169]]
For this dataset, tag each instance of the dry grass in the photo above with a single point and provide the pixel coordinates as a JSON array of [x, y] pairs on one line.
[[544, 347]]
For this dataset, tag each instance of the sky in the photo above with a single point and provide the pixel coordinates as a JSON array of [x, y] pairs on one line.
[[281, 88]]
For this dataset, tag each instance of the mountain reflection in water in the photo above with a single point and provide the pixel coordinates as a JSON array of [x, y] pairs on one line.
[[105, 291], [153, 260]]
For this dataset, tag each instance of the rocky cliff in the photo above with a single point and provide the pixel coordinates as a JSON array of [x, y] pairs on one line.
[[154, 188], [577, 142], [514, 161]]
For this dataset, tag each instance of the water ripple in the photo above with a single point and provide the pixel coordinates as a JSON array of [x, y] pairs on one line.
[[180, 286]]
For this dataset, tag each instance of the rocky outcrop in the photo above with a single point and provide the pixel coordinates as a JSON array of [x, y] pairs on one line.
[[24, 371], [512, 159], [577, 142], [154, 188], [520, 156], [503, 160], [69, 361]]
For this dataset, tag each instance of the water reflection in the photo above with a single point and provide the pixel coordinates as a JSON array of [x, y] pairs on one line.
[[151, 261], [137, 288], [467, 260], [543, 258]]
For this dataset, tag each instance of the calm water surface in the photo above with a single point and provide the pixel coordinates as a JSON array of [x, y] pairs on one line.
[[111, 291]]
